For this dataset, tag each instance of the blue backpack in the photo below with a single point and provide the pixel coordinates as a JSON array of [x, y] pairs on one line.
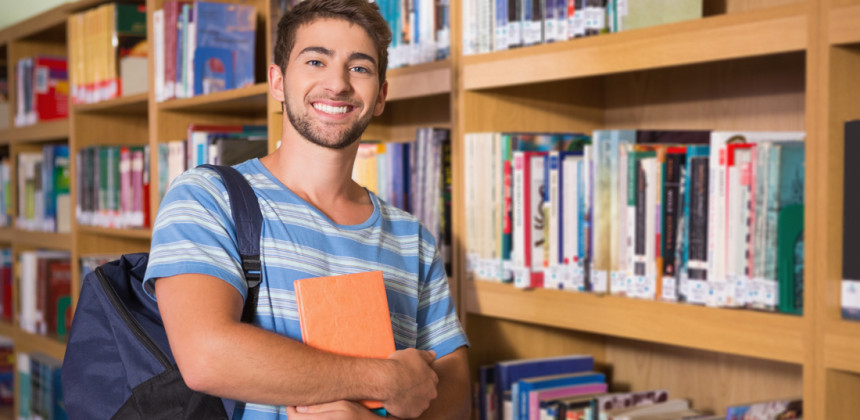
[[118, 362]]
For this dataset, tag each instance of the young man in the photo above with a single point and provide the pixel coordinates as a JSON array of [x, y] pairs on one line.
[[330, 77]]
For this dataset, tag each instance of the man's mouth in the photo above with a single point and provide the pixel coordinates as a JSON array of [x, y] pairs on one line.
[[334, 110]]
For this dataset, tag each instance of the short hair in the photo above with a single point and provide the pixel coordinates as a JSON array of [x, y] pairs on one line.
[[360, 12]]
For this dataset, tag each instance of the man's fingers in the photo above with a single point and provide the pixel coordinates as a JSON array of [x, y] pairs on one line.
[[429, 356]]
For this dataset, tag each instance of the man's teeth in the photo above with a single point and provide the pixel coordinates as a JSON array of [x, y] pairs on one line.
[[328, 109]]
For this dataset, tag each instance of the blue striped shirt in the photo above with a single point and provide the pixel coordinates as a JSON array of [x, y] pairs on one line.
[[194, 233]]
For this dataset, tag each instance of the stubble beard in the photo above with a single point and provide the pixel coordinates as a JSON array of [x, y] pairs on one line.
[[303, 125]]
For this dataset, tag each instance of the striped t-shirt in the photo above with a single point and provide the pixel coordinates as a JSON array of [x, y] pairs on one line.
[[194, 233]]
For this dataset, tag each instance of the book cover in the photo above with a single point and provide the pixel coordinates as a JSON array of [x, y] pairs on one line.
[[536, 397], [50, 88], [232, 28], [509, 372], [640, 14], [347, 315], [521, 389], [850, 298]]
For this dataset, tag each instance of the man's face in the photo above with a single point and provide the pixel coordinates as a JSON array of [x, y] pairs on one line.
[[331, 83]]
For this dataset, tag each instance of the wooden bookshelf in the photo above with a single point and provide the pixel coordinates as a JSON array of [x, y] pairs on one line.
[[748, 65]]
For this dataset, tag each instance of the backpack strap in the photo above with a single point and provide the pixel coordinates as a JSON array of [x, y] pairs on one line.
[[249, 223]]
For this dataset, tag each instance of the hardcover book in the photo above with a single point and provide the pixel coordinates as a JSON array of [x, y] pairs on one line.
[[347, 315]]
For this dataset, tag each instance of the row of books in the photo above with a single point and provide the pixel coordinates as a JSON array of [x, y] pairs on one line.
[[203, 47], [209, 143], [41, 89], [45, 292], [850, 297], [711, 218], [567, 387], [420, 29], [414, 176], [494, 25], [44, 196], [113, 186], [7, 372], [108, 52], [40, 392]]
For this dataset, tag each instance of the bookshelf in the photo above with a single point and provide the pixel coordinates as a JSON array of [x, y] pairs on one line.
[[748, 65]]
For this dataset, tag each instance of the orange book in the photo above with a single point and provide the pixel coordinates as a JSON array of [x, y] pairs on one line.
[[347, 315]]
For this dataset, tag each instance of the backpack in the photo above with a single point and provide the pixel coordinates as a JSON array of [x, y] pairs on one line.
[[118, 362]]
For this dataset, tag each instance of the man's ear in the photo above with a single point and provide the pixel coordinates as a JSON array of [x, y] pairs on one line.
[[276, 82], [380, 99]]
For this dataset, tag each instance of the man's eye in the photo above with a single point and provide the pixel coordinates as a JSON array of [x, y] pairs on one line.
[[359, 69], [315, 63]]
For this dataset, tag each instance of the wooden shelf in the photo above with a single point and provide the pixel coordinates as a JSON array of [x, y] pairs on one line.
[[841, 344], [8, 330], [419, 81], [132, 104], [132, 233], [741, 332], [725, 37], [44, 240], [34, 343], [42, 131], [6, 234], [844, 25], [248, 100]]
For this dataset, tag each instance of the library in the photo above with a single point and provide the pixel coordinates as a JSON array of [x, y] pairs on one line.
[[617, 188]]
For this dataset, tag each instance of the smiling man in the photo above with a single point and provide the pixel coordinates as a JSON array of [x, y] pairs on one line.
[[329, 74]]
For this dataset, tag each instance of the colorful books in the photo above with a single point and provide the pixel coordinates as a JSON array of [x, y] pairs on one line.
[[508, 372], [346, 314]]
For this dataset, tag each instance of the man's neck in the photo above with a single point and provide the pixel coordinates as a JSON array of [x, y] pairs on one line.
[[322, 177]]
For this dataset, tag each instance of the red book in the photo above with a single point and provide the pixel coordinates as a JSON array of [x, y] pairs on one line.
[[50, 88], [347, 315]]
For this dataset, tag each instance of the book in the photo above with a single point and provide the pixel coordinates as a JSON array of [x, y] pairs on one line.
[[224, 46], [628, 15], [536, 398], [347, 315], [528, 200], [850, 297], [521, 390], [765, 410], [509, 372]]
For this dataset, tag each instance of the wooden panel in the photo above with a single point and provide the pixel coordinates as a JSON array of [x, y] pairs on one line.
[[91, 129], [41, 132], [841, 344], [43, 240], [422, 80], [844, 27], [711, 381], [400, 120], [760, 93], [249, 100], [572, 105], [494, 340], [132, 104], [756, 33], [842, 390], [33, 343], [746, 333]]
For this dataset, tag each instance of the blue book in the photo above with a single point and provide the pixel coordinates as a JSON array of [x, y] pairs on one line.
[[486, 381], [510, 371], [231, 28], [213, 70], [521, 389]]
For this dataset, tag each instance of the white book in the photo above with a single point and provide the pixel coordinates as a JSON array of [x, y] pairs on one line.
[[158, 53], [571, 170], [718, 217]]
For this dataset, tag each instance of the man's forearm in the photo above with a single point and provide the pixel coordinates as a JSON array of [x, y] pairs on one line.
[[221, 356], [454, 391]]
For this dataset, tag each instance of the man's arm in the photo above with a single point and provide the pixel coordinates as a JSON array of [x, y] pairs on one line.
[[219, 355], [453, 403]]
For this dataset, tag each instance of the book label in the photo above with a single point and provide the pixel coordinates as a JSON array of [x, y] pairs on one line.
[[850, 294], [697, 291], [600, 279], [670, 290]]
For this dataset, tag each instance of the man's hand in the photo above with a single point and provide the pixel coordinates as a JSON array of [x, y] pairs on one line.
[[338, 410], [413, 383]]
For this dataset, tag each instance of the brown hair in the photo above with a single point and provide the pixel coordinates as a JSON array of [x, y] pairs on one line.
[[359, 12]]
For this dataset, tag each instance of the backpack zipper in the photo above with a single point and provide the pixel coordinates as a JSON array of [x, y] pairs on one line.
[[132, 323]]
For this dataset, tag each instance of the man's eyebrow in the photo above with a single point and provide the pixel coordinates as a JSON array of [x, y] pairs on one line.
[[318, 50], [362, 56], [328, 53]]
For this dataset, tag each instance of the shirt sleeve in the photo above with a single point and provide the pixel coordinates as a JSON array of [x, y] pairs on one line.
[[194, 232], [439, 327]]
